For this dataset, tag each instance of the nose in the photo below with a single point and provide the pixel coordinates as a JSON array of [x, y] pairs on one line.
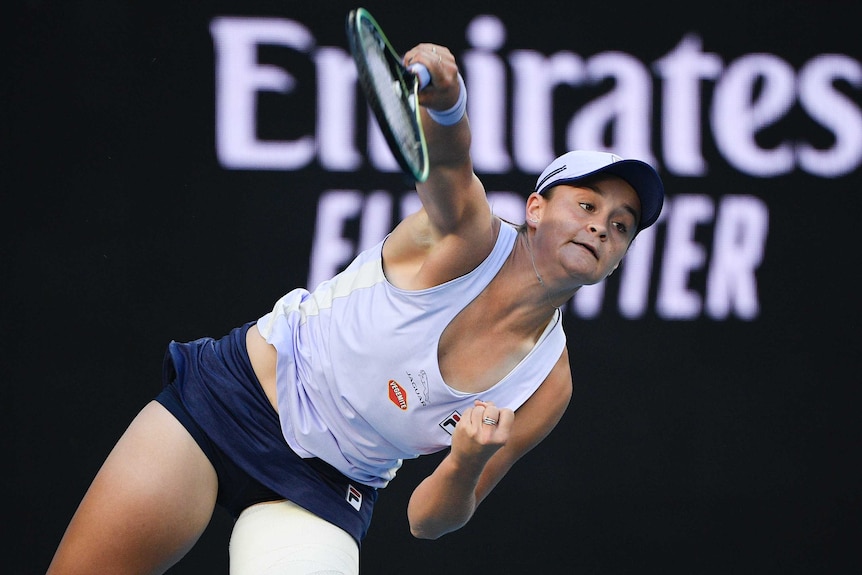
[[599, 230]]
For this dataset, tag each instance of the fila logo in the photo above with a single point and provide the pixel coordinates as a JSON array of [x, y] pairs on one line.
[[354, 497], [397, 395], [450, 422]]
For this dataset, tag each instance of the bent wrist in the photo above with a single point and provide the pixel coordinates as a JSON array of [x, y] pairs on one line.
[[454, 114]]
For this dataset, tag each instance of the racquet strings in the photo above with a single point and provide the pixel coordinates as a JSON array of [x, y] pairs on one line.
[[395, 99]]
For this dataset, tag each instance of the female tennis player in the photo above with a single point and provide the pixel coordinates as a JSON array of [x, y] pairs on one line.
[[445, 335]]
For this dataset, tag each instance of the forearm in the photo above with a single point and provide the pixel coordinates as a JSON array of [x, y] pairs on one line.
[[447, 131], [447, 145], [452, 193], [445, 501]]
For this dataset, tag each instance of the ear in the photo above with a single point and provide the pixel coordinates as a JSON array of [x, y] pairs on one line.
[[534, 209]]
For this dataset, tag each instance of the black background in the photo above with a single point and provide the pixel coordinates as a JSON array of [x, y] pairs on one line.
[[690, 447]]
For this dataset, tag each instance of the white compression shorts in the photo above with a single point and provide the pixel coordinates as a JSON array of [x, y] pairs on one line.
[[282, 538]]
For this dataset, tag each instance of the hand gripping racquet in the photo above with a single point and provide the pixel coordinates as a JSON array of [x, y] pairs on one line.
[[391, 91]]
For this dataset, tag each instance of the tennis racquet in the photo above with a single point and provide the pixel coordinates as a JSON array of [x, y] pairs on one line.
[[391, 91]]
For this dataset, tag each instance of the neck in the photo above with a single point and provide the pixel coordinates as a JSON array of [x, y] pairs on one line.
[[527, 239]]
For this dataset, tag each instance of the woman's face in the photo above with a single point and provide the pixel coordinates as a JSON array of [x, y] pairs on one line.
[[589, 225]]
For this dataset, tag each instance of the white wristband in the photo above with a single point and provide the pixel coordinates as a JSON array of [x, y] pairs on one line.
[[454, 114]]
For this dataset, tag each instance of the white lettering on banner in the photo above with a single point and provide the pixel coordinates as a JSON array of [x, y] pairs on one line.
[[832, 110], [683, 71], [750, 94], [335, 104], [740, 230], [739, 234], [486, 105], [739, 226], [734, 98], [238, 79]]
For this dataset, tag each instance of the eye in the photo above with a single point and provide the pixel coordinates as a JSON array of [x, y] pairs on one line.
[[621, 227], [588, 206]]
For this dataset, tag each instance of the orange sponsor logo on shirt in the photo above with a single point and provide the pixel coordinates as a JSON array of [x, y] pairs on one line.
[[397, 395]]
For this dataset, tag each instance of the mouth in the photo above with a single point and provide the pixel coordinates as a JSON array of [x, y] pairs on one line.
[[589, 248]]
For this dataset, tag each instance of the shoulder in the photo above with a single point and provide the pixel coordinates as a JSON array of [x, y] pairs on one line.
[[417, 255]]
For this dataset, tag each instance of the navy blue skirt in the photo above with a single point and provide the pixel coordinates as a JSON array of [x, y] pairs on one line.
[[211, 388]]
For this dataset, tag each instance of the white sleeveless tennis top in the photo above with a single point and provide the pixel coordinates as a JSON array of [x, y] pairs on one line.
[[358, 381]]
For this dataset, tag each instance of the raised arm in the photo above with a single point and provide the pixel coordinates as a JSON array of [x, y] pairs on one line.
[[481, 455], [452, 190], [455, 230]]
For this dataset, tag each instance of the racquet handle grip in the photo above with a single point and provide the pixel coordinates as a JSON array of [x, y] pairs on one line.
[[421, 72]]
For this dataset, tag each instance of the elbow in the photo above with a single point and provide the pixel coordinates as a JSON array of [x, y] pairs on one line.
[[419, 533], [423, 530], [431, 531], [428, 534]]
